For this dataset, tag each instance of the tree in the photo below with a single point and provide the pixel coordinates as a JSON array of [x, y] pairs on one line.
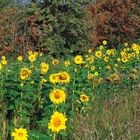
[[66, 26]]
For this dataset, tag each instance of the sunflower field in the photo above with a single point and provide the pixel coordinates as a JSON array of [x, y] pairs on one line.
[[69, 70], [41, 94]]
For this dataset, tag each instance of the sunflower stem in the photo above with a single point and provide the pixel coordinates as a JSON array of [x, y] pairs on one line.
[[54, 136]]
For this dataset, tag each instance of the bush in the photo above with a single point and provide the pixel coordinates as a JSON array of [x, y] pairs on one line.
[[115, 20]]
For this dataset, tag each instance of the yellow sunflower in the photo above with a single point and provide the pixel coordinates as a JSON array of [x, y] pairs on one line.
[[30, 52], [91, 59], [123, 54], [78, 59], [106, 59], [113, 51], [133, 54], [57, 122], [55, 61], [96, 73], [104, 42], [4, 62], [67, 63], [25, 73], [128, 49], [124, 59], [44, 67], [57, 96], [63, 77], [118, 59], [116, 65], [20, 58], [53, 78], [20, 134], [36, 53], [98, 54], [90, 76], [32, 57], [108, 67], [84, 98], [89, 50], [114, 76], [43, 81], [101, 47], [134, 46], [126, 44], [3, 57], [92, 68], [108, 52]]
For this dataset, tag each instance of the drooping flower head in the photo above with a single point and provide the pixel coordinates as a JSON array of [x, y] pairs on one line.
[[20, 58]]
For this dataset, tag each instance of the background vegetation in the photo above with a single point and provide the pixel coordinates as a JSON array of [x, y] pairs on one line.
[[60, 30]]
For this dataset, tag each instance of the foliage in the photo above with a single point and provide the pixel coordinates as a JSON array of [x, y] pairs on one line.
[[10, 31], [114, 20], [38, 91], [5, 3], [65, 25], [53, 27]]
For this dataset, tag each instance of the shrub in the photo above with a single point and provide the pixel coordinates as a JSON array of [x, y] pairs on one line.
[[115, 20]]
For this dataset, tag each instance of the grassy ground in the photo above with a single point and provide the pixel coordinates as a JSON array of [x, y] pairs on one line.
[[115, 119]]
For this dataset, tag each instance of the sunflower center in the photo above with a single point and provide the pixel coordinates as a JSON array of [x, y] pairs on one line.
[[62, 77], [44, 67], [54, 77], [84, 97], [57, 95], [20, 134], [57, 122], [24, 72]]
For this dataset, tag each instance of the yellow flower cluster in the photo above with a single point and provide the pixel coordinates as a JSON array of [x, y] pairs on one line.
[[32, 56], [3, 62], [61, 77]]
